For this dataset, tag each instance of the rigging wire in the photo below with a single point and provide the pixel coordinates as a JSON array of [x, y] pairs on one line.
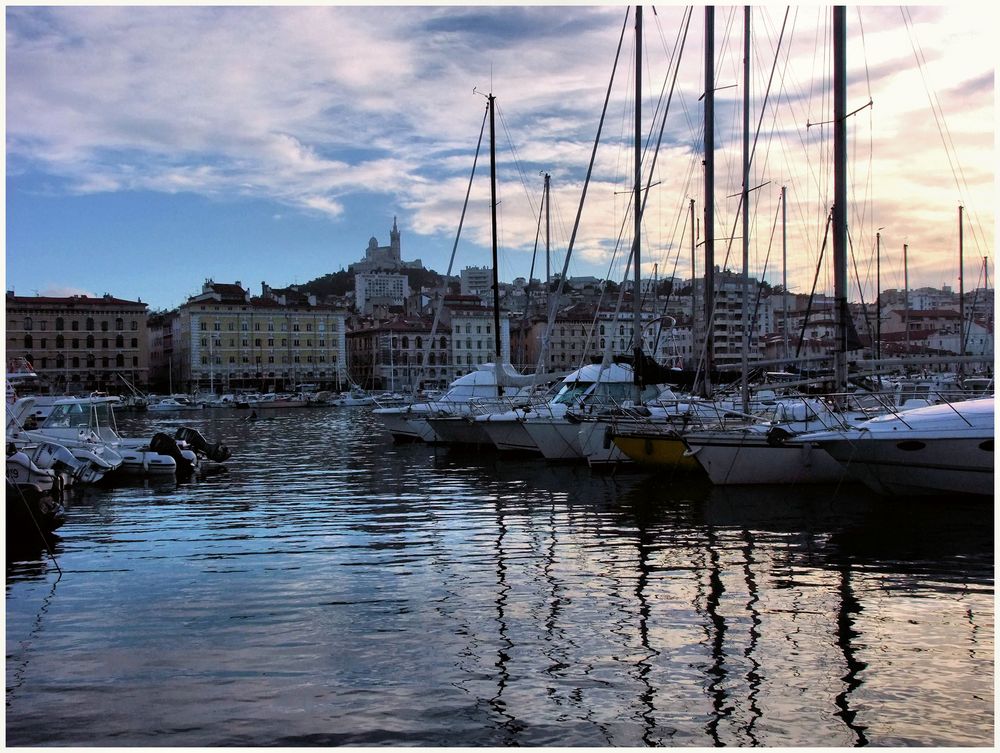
[[951, 153], [437, 313]]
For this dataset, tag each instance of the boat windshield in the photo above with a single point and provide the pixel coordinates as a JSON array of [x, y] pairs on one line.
[[610, 393], [571, 392], [70, 415], [81, 416]]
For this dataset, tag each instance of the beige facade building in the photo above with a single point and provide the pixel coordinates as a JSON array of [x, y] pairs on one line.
[[225, 340], [80, 344]]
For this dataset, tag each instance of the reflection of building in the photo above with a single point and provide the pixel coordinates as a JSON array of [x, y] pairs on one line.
[[79, 343], [226, 340], [385, 258]]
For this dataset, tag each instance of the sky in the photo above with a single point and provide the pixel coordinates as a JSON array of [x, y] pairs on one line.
[[150, 148]]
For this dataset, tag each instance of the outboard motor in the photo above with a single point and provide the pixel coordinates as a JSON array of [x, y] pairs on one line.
[[217, 452], [164, 444]]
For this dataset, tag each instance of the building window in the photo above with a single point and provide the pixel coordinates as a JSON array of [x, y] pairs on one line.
[[91, 361], [119, 341], [105, 362], [135, 342], [76, 343], [119, 360], [60, 326], [28, 342], [90, 341], [60, 342], [204, 326], [28, 324], [104, 325], [119, 324], [74, 325], [135, 360], [76, 362], [135, 325]]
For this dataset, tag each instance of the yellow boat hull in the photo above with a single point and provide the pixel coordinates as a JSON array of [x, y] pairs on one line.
[[661, 451]]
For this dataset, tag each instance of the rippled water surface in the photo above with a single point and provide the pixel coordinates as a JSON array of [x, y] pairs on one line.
[[333, 588]]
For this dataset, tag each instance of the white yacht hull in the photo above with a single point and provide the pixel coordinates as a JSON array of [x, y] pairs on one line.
[[938, 449], [509, 435], [944, 466], [405, 426], [556, 439], [735, 457], [459, 430], [597, 446]]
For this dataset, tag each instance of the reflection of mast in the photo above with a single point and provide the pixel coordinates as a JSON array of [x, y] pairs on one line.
[[753, 675], [846, 633], [511, 724], [649, 721], [717, 671]]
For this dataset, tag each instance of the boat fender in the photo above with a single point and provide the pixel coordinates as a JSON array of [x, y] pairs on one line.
[[776, 436]]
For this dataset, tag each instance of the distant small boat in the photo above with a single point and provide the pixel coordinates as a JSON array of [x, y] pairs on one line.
[[273, 400], [354, 398], [174, 404]]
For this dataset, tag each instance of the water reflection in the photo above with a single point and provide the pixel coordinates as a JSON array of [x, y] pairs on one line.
[[333, 588]]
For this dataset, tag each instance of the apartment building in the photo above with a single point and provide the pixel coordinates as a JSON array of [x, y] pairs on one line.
[[226, 340], [80, 343]]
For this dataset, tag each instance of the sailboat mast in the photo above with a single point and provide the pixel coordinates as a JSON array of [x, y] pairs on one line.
[[906, 297], [961, 284], [709, 192], [548, 272], [637, 208], [878, 296], [784, 264], [694, 289], [745, 386], [840, 193], [493, 213]]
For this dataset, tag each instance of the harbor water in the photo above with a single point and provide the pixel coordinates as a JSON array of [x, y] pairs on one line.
[[332, 588]]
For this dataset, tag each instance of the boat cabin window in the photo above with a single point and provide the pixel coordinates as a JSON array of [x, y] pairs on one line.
[[570, 392]]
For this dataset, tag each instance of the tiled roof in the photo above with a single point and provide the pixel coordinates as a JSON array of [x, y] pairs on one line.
[[73, 300]]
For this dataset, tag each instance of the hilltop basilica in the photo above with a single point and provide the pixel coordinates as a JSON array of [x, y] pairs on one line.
[[384, 258]]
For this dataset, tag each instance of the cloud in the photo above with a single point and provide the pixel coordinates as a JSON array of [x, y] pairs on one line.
[[57, 290], [308, 107]]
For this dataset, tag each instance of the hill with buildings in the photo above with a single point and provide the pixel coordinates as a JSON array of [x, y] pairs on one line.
[[341, 283]]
